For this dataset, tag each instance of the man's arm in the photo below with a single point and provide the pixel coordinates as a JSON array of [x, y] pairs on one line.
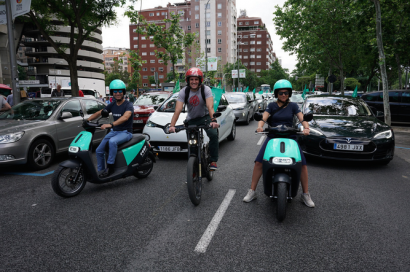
[[210, 106], [5, 106], [178, 109], [120, 120], [95, 115]]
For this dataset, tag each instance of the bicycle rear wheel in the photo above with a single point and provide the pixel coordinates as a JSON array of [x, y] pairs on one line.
[[193, 182]]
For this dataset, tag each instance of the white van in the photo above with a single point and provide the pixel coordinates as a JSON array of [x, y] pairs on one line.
[[90, 93]]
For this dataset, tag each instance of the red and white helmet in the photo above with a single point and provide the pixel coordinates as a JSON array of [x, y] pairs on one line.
[[194, 72]]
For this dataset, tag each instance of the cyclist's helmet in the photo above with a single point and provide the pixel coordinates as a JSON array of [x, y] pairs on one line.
[[117, 84], [282, 84], [194, 72]]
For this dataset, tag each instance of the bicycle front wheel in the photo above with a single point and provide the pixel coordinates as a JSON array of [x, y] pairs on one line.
[[194, 183]]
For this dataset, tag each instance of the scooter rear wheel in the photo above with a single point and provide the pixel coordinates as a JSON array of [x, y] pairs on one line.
[[144, 173], [282, 192], [193, 182], [63, 182]]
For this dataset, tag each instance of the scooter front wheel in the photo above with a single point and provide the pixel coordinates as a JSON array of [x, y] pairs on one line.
[[194, 183], [282, 192], [63, 181]]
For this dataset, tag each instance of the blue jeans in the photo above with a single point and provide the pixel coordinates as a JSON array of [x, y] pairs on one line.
[[114, 138]]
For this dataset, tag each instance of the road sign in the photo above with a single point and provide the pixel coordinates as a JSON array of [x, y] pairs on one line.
[[242, 73], [234, 73]]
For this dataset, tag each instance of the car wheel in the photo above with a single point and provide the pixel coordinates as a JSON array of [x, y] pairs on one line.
[[252, 118], [247, 119], [232, 136], [40, 154]]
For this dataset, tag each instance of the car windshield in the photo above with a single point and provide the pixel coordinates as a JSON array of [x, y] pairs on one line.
[[236, 98], [32, 110], [150, 99], [336, 106], [297, 98], [169, 104], [265, 89], [258, 96]]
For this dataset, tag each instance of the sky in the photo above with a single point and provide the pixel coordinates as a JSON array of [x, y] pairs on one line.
[[118, 35]]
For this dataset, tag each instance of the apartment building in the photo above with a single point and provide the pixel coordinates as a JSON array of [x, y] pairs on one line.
[[255, 43], [112, 54], [214, 23]]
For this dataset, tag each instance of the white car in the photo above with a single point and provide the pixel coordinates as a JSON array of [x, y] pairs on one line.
[[177, 142]]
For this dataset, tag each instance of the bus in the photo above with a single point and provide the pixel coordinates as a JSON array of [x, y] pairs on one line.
[[265, 88]]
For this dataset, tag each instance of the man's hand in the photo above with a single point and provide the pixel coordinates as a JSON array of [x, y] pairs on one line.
[[259, 129], [214, 125], [171, 129], [105, 126]]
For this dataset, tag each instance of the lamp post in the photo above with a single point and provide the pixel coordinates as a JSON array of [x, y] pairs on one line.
[[237, 59], [206, 43]]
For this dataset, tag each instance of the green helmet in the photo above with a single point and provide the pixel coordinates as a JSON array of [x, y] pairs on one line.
[[117, 84], [282, 84]]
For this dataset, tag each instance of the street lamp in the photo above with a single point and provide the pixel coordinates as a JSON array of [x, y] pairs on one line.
[[237, 58], [206, 42]]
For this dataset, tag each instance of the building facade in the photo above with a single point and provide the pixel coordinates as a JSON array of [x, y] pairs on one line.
[[255, 43], [214, 23], [112, 54]]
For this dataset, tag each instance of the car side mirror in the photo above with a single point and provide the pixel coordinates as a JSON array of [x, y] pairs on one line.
[[104, 113], [379, 114], [217, 114], [308, 117], [257, 116], [221, 108], [156, 107], [66, 115], [82, 113]]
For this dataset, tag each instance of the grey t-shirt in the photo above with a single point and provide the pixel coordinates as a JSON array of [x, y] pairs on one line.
[[3, 102], [196, 105]]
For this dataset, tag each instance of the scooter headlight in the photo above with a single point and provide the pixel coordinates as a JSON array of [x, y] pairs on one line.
[[192, 142], [73, 149], [282, 161]]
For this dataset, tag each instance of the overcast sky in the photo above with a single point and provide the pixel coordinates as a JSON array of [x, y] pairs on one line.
[[118, 36]]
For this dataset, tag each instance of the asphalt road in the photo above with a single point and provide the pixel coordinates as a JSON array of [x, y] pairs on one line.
[[360, 222]]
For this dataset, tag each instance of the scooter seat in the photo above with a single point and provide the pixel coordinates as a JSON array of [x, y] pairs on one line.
[[134, 140]]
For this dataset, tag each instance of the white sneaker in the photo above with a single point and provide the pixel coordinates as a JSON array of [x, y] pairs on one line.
[[251, 195], [305, 198]]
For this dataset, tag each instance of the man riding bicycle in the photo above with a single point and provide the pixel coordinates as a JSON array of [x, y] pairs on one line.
[[121, 128], [200, 103]]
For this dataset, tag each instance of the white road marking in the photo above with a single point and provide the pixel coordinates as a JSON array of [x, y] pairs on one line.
[[211, 229], [261, 139]]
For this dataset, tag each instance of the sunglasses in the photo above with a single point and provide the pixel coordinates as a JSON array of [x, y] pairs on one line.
[[117, 91], [283, 93]]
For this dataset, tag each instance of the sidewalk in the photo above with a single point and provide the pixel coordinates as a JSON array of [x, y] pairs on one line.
[[401, 129]]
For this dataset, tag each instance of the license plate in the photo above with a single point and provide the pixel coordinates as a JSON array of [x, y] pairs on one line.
[[170, 148], [348, 147], [138, 121]]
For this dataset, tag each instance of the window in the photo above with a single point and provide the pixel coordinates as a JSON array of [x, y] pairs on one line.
[[157, 13], [135, 38], [208, 23], [252, 36], [144, 53], [258, 49], [163, 13], [189, 27], [258, 70], [145, 84], [208, 50], [246, 36], [143, 46], [394, 97], [151, 14], [252, 42], [161, 76], [240, 23], [73, 107], [256, 22], [208, 41], [245, 50], [208, 33], [252, 56], [152, 45], [161, 69], [196, 7], [135, 45], [239, 36], [152, 61], [91, 106], [246, 23], [181, 12], [240, 50], [134, 30], [258, 56], [245, 43], [219, 23], [189, 60], [246, 64], [219, 58], [252, 49], [196, 16], [258, 63], [152, 69], [259, 42], [219, 49], [259, 36], [219, 41], [245, 57], [219, 15], [219, 6], [240, 56], [219, 32], [207, 6], [145, 69], [152, 53], [252, 63], [267, 63], [151, 37], [143, 38], [144, 77], [208, 15], [196, 25]]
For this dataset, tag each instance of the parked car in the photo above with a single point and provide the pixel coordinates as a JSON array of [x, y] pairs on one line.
[[35, 130], [177, 142], [145, 105], [399, 101], [262, 101], [242, 105], [344, 128], [298, 99]]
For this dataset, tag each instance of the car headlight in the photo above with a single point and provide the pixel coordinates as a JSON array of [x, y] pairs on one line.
[[11, 138], [315, 132], [150, 124], [384, 135]]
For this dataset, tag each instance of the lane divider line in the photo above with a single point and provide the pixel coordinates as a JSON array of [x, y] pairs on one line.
[[261, 139], [211, 229], [29, 174], [402, 147]]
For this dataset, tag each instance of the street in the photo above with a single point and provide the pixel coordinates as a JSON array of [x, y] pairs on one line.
[[360, 222]]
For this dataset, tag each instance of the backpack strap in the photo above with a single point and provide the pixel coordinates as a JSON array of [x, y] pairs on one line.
[[188, 89], [203, 92]]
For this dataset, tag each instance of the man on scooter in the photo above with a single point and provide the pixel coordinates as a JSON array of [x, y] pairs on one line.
[[200, 103], [121, 128]]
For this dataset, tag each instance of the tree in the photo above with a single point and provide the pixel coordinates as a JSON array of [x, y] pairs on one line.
[[272, 75], [228, 71], [82, 16], [168, 37]]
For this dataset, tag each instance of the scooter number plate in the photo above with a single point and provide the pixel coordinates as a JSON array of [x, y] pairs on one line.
[[170, 148], [349, 147]]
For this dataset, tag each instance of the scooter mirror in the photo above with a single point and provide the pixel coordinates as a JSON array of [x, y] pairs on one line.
[[217, 114], [104, 113], [308, 117], [257, 116]]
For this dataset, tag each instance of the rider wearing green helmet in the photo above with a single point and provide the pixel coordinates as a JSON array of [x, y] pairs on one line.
[[120, 130], [280, 113]]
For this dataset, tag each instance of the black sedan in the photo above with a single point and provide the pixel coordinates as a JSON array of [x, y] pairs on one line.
[[344, 128]]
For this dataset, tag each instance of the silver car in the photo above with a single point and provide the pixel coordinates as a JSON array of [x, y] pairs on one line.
[[35, 130], [243, 106]]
